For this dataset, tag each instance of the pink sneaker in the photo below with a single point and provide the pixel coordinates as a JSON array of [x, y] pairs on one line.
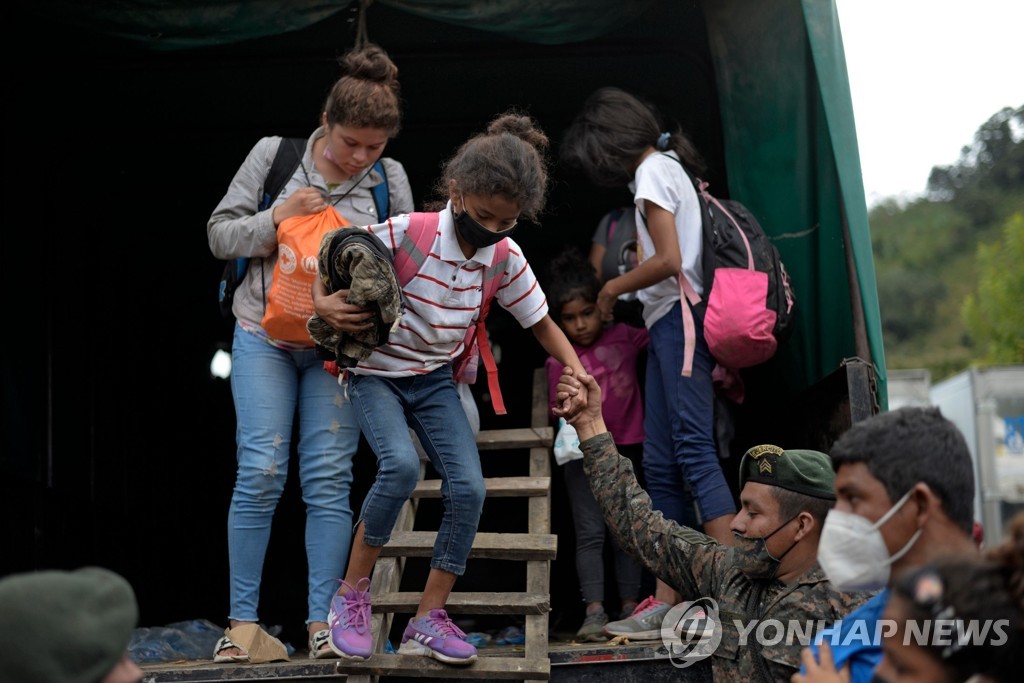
[[436, 636], [349, 620]]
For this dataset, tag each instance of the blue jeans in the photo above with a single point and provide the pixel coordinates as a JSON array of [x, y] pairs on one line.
[[680, 458], [269, 384], [387, 407]]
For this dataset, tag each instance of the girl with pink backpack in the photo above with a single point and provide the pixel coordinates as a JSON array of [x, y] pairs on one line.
[[615, 140]]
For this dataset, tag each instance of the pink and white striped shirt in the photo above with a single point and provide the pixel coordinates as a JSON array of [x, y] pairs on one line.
[[443, 300]]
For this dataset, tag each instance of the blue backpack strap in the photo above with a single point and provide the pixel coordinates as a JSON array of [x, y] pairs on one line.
[[381, 196]]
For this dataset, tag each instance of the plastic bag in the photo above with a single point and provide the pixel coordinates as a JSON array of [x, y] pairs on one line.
[[183, 640], [567, 443]]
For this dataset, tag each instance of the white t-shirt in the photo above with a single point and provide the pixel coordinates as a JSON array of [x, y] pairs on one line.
[[443, 300], [663, 181]]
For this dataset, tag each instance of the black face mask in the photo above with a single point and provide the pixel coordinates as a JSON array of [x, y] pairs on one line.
[[475, 234], [753, 557]]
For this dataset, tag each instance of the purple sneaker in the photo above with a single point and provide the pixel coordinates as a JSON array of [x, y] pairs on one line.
[[349, 620], [436, 636]]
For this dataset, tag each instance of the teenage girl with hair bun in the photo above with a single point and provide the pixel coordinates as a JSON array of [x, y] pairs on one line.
[[272, 378]]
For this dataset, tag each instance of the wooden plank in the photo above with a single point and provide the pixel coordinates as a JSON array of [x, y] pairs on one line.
[[538, 573], [540, 414], [469, 603], [488, 545], [538, 580], [497, 487], [524, 437], [539, 507], [539, 510], [505, 668]]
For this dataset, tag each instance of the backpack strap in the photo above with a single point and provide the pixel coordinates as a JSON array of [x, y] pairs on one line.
[[286, 160], [381, 197], [281, 169], [613, 222], [686, 294], [414, 248], [492, 282], [410, 256]]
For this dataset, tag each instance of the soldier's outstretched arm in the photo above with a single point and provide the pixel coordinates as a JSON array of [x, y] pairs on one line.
[[682, 557]]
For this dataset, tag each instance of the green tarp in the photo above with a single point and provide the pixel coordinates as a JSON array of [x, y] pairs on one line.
[[791, 151], [787, 129]]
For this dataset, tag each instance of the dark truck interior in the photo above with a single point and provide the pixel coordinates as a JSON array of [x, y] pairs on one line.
[[118, 443]]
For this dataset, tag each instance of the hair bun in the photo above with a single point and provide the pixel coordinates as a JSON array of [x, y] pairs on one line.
[[370, 63], [521, 126]]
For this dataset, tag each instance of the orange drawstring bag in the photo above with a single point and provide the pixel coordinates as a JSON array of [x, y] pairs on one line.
[[290, 301]]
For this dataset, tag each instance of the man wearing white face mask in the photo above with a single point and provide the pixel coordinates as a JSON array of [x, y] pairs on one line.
[[769, 576], [904, 497]]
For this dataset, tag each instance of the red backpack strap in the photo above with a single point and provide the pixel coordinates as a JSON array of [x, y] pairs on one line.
[[477, 334], [414, 249], [493, 275], [613, 221]]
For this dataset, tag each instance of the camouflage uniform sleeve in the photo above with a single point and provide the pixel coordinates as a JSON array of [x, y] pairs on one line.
[[680, 556]]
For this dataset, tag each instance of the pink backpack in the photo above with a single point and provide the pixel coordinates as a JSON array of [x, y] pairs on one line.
[[748, 304], [410, 256]]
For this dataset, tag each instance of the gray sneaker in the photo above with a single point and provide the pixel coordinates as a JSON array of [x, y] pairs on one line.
[[592, 630], [644, 623]]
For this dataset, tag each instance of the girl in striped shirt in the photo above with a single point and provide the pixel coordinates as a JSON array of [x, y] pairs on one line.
[[492, 180]]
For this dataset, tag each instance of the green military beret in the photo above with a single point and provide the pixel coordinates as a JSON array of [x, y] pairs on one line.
[[64, 626], [802, 471]]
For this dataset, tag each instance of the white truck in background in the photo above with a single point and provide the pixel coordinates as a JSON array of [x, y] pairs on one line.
[[987, 404]]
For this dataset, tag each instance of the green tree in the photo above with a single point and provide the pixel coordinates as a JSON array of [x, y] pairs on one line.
[[910, 300], [928, 263], [995, 315], [994, 158]]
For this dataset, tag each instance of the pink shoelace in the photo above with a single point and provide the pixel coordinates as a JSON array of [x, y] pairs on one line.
[[649, 603], [356, 613], [444, 625]]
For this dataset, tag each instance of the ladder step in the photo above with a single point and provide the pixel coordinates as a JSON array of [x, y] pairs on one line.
[[497, 487], [489, 545], [525, 437], [485, 666], [469, 603]]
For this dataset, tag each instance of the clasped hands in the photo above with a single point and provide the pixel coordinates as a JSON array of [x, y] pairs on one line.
[[579, 402]]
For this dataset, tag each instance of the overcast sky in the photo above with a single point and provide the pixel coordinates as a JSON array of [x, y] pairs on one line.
[[924, 75]]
